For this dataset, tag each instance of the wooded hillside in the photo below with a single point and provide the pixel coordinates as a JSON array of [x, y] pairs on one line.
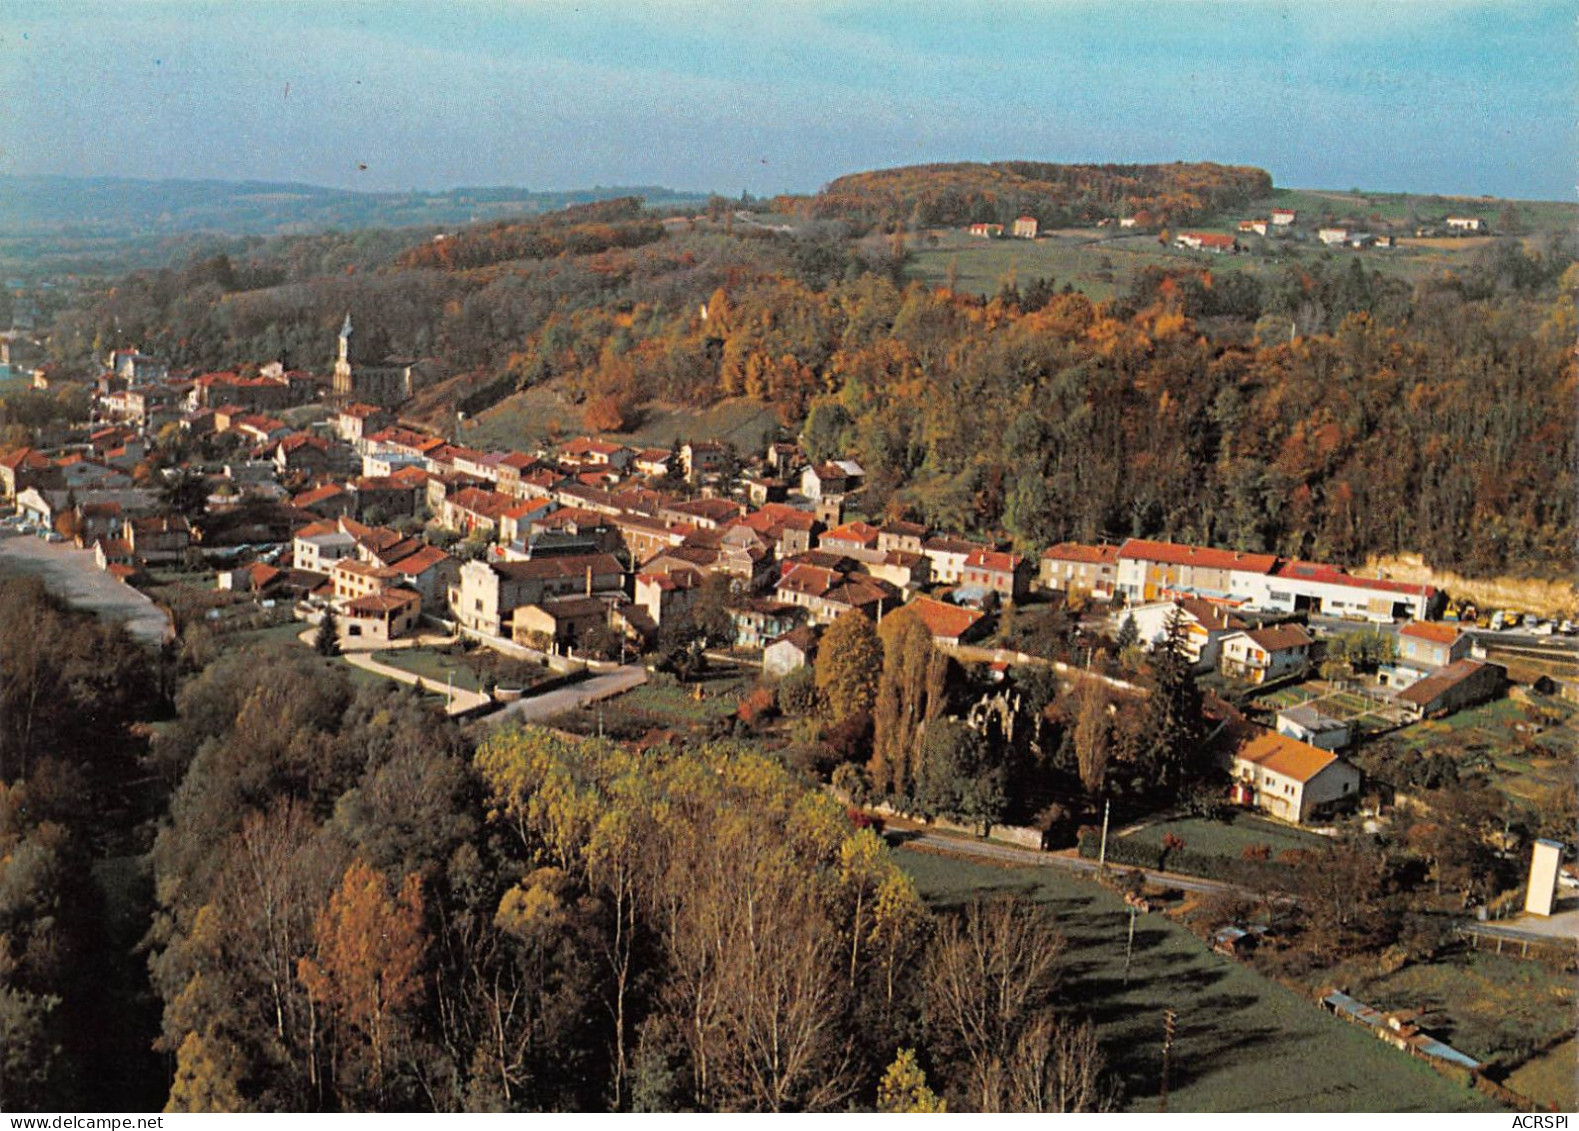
[[967, 192], [1318, 408]]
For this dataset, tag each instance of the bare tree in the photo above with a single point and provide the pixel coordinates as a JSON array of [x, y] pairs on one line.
[[1058, 1066], [991, 971]]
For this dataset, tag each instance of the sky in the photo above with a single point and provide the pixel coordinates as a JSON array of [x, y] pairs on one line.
[[768, 97]]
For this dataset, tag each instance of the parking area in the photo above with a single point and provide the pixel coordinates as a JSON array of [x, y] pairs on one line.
[[73, 576]]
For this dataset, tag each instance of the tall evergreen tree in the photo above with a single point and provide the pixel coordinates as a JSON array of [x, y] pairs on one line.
[[1173, 729], [327, 640]]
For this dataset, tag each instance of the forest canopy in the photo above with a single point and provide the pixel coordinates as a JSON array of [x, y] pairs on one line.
[[1056, 195]]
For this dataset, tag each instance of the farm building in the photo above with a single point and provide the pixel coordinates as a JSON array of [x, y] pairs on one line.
[[1459, 685]]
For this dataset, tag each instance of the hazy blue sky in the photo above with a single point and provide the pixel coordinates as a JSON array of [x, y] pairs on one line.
[[732, 95]]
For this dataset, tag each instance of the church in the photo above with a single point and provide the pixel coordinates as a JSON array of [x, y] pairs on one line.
[[386, 385]]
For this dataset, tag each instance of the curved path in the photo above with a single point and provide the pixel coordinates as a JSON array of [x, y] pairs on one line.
[[461, 700], [536, 708]]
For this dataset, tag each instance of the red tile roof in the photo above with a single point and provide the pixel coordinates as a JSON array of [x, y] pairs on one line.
[[1104, 554], [317, 495], [856, 533], [1173, 553], [378, 604], [1423, 692], [1285, 756], [488, 504], [1432, 631], [1280, 638], [571, 565], [942, 620], [994, 560], [1332, 575]]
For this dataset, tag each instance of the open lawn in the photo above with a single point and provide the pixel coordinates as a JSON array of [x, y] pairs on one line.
[[676, 703], [524, 421], [1551, 1078], [1227, 839], [435, 668], [287, 634], [1244, 1043], [663, 704]]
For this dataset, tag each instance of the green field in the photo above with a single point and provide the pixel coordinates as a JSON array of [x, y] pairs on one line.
[[1551, 1078], [1244, 1043], [437, 669], [662, 704], [1227, 839], [666, 701], [528, 419], [279, 634], [1102, 262]]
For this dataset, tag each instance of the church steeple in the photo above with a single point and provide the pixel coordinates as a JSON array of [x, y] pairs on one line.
[[342, 365]]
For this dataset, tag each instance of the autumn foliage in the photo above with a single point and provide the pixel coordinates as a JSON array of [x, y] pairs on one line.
[[367, 968], [965, 193]]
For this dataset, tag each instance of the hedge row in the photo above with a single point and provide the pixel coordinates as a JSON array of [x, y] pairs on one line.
[[1136, 854]]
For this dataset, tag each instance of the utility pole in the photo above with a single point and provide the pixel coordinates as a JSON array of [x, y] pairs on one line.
[[1107, 807], [1170, 1021], [1129, 945]]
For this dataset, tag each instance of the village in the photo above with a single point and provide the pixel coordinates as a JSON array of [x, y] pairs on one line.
[[587, 553], [1261, 233], [573, 574]]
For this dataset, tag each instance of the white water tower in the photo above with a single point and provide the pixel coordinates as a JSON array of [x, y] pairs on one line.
[[1545, 858]]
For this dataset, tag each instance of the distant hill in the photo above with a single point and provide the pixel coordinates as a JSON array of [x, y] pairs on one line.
[[122, 207], [1056, 195]]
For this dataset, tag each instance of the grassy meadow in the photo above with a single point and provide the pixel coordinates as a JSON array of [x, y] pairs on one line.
[[1244, 1043]]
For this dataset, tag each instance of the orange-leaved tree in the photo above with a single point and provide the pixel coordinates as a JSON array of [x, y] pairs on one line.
[[367, 971]]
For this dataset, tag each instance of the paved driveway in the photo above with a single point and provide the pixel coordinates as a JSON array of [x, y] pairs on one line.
[[536, 708], [74, 577]]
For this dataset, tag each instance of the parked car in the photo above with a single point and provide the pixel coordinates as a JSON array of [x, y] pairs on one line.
[[1542, 628]]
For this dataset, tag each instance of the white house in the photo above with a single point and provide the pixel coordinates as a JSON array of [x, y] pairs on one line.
[[318, 547], [1205, 627], [1261, 654], [1307, 724], [1287, 778]]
